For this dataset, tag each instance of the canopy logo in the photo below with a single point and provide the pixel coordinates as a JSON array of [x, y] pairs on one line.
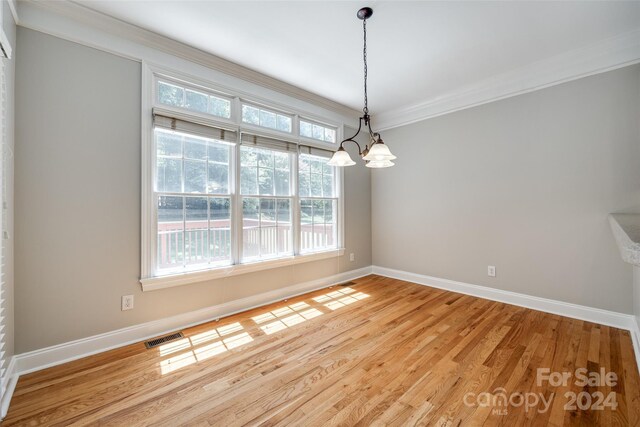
[[500, 401]]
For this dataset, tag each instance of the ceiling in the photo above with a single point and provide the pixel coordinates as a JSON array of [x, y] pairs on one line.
[[417, 50]]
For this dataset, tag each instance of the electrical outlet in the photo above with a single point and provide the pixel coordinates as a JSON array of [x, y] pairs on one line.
[[352, 257], [491, 271], [127, 302]]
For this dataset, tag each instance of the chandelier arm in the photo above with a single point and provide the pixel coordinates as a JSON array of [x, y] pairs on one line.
[[355, 142], [354, 135]]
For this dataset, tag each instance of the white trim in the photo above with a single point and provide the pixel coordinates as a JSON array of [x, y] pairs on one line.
[[14, 11], [590, 314], [604, 55], [80, 24], [66, 352], [169, 281], [635, 338], [9, 382]]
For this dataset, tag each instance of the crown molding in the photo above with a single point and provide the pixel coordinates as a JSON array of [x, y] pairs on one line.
[[104, 32], [53, 17], [599, 57]]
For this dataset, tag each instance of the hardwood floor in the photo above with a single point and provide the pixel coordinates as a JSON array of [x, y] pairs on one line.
[[380, 351]]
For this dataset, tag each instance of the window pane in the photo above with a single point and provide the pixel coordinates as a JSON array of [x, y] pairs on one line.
[[218, 178], [281, 160], [220, 107], [316, 165], [197, 101], [168, 143], [169, 94], [195, 176], [218, 152], [194, 100], [285, 239], [316, 185], [329, 135], [318, 132], [318, 211], [319, 236], [265, 158], [268, 241], [329, 207], [251, 211], [196, 244], [284, 123], [303, 184], [267, 212], [248, 183], [305, 129], [248, 156], [250, 115], [265, 181], [282, 183], [250, 227], [326, 169], [327, 186], [169, 175], [220, 229], [267, 119], [283, 211], [170, 231], [195, 148]]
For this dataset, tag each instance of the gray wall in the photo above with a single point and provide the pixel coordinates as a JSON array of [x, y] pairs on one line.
[[78, 203], [524, 184], [7, 245]]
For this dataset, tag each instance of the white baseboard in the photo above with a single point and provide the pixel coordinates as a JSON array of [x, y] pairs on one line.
[[66, 352], [8, 385], [635, 337], [595, 315]]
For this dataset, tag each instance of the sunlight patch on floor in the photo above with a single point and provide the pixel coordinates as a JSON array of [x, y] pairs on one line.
[[216, 341], [286, 317], [340, 298]]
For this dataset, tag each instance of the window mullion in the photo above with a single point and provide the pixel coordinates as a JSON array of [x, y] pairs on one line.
[[236, 208], [296, 227]]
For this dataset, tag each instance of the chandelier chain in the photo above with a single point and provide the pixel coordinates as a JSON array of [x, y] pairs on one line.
[[364, 56]]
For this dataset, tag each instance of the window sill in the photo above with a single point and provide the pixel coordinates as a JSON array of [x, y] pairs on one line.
[[169, 281]]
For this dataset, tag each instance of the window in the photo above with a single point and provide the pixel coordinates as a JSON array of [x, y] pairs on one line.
[[318, 204], [220, 201], [192, 99], [193, 200], [266, 118], [265, 186], [316, 131]]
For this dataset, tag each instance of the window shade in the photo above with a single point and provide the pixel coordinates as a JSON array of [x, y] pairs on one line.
[[174, 121], [313, 151], [268, 143]]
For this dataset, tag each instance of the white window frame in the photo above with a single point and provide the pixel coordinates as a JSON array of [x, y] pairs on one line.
[[150, 277]]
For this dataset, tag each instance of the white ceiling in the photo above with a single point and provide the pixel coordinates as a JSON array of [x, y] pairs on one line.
[[417, 50]]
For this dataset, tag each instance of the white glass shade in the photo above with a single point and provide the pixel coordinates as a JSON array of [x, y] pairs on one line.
[[341, 158], [379, 164], [379, 152]]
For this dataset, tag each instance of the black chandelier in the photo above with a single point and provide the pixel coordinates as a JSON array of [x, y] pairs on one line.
[[378, 154]]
